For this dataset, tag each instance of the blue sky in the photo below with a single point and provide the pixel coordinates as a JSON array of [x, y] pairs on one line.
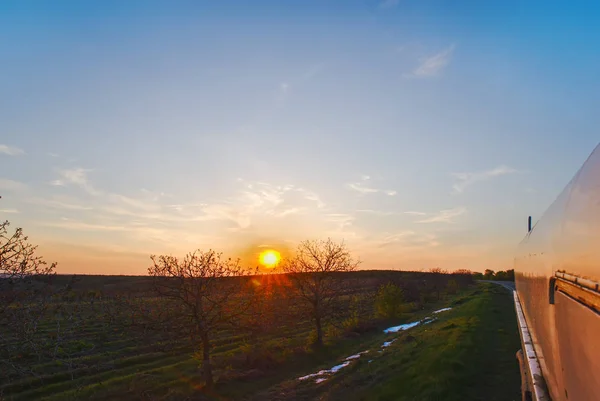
[[423, 133]]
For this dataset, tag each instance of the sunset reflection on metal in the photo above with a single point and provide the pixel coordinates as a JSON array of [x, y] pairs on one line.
[[557, 269]]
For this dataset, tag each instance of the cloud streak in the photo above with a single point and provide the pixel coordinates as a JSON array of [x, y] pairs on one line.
[[434, 65], [413, 213], [376, 212], [77, 176], [445, 216], [465, 180], [58, 204], [363, 189], [254, 205], [408, 240], [10, 150], [358, 187], [83, 226]]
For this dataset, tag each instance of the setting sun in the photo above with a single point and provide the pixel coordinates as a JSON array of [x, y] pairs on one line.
[[269, 258]]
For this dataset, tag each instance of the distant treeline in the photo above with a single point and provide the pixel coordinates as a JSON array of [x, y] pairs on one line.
[[502, 275]]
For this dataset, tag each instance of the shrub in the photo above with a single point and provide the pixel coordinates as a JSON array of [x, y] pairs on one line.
[[452, 286], [332, 332], [390, 302]]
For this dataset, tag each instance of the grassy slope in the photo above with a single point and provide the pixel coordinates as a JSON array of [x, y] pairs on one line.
[[467, 354]]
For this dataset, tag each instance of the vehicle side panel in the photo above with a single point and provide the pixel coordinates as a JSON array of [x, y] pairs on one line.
[[565, 334]]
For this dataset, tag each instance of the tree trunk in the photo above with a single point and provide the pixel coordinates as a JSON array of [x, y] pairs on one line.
[[319, 341], [206, 367]]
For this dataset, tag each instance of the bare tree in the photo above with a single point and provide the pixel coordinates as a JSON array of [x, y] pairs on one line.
[[24, 295], [204, 292], [19, 265], [317, 273]]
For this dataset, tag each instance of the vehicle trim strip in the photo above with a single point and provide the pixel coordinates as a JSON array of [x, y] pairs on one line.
[[580, 281], [580, 289], [533, 366]]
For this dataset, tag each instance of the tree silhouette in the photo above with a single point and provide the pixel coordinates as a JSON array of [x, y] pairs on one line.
[[203, 292], [317, 274]]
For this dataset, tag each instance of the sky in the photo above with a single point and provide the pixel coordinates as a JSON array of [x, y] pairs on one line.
[[421, 133]]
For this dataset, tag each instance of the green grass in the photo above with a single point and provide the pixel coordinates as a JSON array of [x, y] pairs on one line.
[[467, 354]]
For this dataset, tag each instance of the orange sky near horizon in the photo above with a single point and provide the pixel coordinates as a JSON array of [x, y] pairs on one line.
[[75, 259]]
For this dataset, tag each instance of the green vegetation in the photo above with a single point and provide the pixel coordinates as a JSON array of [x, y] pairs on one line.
[[108, 349], [390, 302], [468, 353]]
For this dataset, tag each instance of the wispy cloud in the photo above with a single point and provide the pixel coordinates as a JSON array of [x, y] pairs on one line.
[[399, 242], [465, 180], [445, 216], [433, 65], [413, 213], [390, 239], [10, 185], [311, 196], [10, 150], [76, 176], [408, 240], [9, 211], [155, 219], [60, 204], [287, 212], [388, 4], [342, 223], [358, 187], [51, 154], [83, 226], [264, 199], [376, 212], [254, 204], [363, 188]]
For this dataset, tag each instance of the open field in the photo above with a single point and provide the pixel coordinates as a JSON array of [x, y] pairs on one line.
[[104, 356]]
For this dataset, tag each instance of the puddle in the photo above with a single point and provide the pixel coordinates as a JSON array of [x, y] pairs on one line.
[[356, 356], [407, 326], [326, 372], [338, 367], [402, 327]]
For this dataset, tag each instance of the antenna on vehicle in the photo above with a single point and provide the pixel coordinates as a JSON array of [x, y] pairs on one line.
[[529, 224]]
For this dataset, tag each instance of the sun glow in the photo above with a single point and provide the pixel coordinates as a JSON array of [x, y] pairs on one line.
[[269, 258]]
